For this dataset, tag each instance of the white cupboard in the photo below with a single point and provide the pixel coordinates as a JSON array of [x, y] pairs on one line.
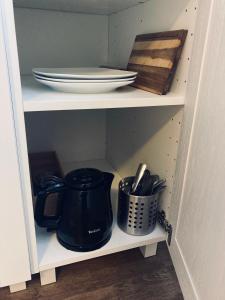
[[14, 258], [113, 131]]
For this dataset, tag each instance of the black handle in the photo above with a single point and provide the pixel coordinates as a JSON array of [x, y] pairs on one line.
[[49, 222]]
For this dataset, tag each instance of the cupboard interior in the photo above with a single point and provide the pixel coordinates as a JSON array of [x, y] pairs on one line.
[[120, 137], [112, 138], [55, 38]]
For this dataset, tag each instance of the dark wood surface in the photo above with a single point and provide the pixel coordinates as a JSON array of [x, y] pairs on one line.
[[41, 165], [155, 57], [121, 276]]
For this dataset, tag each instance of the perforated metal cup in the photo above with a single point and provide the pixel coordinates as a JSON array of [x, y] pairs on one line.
[[136, 214]]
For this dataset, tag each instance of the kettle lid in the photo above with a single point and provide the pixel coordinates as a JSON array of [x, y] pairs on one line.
[[83, 179]]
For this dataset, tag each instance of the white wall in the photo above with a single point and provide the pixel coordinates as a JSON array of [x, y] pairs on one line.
[[153, 16], [153, 134], [149, 135], [58, 39], [74, 135]]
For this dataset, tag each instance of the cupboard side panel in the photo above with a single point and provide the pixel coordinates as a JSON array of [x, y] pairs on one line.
[[14, 258], [149, 17], [17, 103], [198, 245], [149, 135]]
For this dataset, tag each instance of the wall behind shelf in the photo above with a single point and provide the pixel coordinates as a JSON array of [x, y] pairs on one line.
[[74, 135], [148, 135], [59, 39], [153, 16]]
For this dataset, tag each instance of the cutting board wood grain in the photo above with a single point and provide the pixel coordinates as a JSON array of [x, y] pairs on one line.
[[155, 57]]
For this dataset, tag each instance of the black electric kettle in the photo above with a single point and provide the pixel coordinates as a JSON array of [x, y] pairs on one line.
[[84, 215]]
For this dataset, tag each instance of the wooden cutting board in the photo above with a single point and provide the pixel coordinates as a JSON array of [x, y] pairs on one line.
[[155, 57]]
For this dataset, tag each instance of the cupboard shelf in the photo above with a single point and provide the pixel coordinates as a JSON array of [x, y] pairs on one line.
[[37, 97], [51, 254], [79, 6]]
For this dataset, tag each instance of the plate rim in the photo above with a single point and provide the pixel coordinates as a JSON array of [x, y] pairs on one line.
[[85, 83], [83, 80], [84, 76]]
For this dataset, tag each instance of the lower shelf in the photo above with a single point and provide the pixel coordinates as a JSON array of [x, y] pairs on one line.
[[51, 254]]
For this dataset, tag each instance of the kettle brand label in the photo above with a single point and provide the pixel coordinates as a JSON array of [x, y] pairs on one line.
[[94, 230]]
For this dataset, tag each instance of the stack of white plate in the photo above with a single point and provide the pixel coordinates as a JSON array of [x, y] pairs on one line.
[[84, 80]]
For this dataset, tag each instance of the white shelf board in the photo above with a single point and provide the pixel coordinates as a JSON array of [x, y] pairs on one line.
[[37, 97], [103, 7], [51, 254]]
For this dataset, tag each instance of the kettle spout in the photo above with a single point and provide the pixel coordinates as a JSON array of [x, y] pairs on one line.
[[108, 179]]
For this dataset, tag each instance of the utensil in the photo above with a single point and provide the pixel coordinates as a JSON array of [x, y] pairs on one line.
[[159, 189], [140, 172], [84, 73], [152, 180], [137, 215], [84, 88], [143, 185], [158, 182], [155, 178]]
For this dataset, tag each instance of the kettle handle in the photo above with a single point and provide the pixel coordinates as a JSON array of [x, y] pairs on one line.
[[50, 222]]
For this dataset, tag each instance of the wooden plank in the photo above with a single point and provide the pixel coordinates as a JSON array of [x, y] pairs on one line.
[[155, 56], [149, 61], [165, 35], [150, 83], [152, 78], [151, 45], [166, 53], [144, 71]]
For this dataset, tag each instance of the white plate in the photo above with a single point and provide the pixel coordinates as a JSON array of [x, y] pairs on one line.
[[83, 73], [82, 80], [84, 88]]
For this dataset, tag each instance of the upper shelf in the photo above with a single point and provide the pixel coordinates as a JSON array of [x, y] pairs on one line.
[[102, 7], [37, 97]]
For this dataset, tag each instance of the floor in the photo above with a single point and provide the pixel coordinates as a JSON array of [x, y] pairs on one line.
[[121, 276]]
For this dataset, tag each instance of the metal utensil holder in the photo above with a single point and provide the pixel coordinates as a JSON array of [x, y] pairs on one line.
[[137, 215]]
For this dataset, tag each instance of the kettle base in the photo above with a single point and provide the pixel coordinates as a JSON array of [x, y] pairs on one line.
[[86, 248]]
